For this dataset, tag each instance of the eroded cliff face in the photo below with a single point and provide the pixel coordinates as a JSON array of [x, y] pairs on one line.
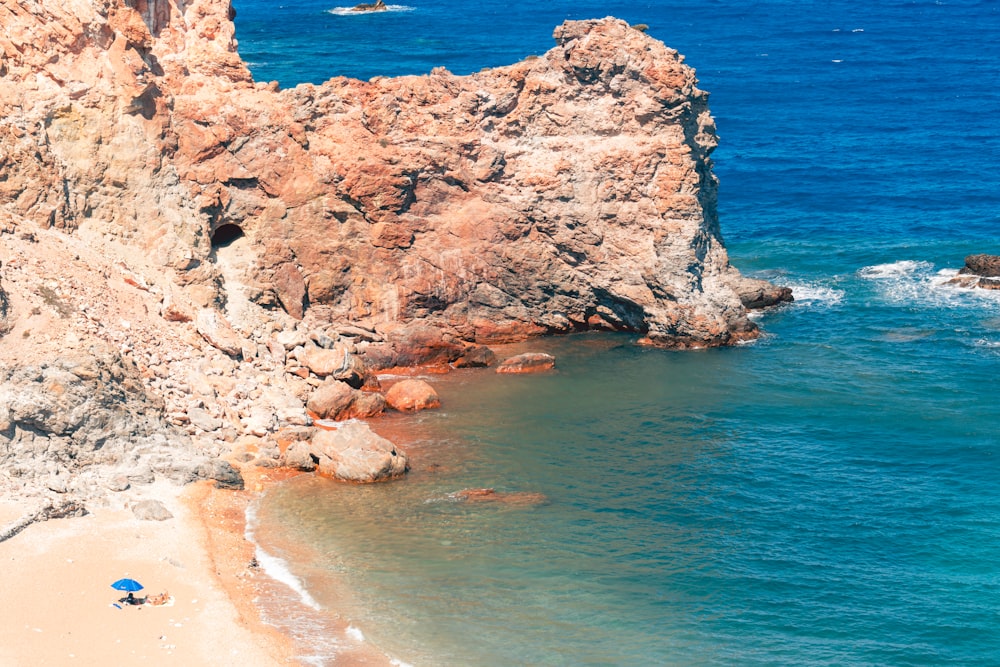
[[187, 257], [566, 192]]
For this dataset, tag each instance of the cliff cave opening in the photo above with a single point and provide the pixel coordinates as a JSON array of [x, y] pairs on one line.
[[225, 235]]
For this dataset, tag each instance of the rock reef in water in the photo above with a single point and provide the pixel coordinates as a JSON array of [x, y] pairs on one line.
[[224, 239], [982, 271], [379, 6]]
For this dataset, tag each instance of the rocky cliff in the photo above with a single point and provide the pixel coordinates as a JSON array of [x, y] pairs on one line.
[[159, 206], [566, 192]]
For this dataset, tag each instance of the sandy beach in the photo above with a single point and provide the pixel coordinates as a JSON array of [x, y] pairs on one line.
[[59, 607]]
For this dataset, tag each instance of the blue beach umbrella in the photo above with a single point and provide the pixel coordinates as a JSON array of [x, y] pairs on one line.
[[127, 585]]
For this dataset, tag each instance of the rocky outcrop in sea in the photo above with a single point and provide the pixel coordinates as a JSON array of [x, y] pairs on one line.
[[191, 258], [982, 271]]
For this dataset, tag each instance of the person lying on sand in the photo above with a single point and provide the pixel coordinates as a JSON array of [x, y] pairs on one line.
[[158, 600]]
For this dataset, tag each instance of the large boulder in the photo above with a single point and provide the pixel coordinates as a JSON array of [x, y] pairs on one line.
[[215, 328], [299, 455], [337, 400], [981, 271], [984, 266], [337, 362], [757, 294], [411, 395], [354, 453], [415, 344], [475, 356], [565, 192]]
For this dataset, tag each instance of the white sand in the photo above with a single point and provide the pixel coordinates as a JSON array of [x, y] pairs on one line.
[[57, 606]]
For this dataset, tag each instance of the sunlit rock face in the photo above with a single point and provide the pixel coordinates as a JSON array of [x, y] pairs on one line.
[[568, 192]]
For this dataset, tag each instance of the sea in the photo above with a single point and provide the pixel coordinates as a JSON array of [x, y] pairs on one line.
[[827, 495]]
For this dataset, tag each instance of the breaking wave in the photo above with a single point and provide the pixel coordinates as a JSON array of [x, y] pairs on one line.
[[812, 294], [350, 11], [904, 267], [911, 281], [275, 567]]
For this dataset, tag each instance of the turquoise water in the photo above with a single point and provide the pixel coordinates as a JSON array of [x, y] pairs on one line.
[[827, 495]]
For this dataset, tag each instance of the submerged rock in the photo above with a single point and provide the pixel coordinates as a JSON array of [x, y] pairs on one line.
[[494, 496], [529, 362]]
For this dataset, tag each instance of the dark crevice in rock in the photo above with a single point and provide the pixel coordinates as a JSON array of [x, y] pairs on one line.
[[225, 235]]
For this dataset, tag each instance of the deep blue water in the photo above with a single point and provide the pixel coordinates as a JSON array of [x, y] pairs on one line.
[[827, 495]]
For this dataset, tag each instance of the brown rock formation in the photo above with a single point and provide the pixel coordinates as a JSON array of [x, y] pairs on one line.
[[985, 266], [379, 6], [338, 401], [982, 271], [411, 395], [567, 192], [353, 453], [529, 362], [475, 356], [187, 253]]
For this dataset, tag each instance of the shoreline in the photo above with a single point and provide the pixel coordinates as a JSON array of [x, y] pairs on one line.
[[262, 597], [60, 608], [225, 596]]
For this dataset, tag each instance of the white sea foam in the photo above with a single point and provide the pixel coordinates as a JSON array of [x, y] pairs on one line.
[[354, 633], [906, 267], [275, 567], [912, 281], [350, 11], [811, 294]]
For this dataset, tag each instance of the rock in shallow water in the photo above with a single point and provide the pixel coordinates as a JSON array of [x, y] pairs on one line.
[[985, 266], [354, 453], [529, 362], [982, 271], [412, 395]]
